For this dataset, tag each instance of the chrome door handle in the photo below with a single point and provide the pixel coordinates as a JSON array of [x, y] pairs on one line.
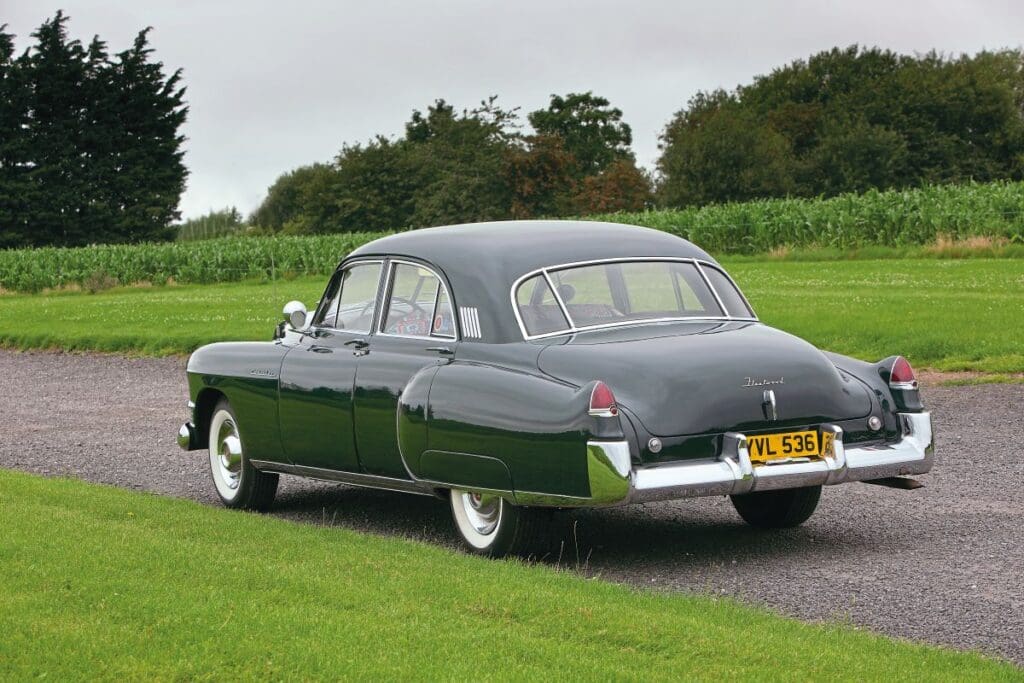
[[443, 350], [357, 343]]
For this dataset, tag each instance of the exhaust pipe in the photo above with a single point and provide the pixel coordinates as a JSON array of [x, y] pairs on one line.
[[905, 483]]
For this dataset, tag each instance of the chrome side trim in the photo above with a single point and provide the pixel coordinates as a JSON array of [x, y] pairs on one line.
[[699, 263], [614, 481], [371, 481]]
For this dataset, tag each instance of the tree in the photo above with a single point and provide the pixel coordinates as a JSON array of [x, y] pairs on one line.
[[15, 185], [90, 151], [619, 187], [542, 176], [459, 163], [474, 165], [589, 127], [848, 120], [719, 154], [284, 200], [149, 160]]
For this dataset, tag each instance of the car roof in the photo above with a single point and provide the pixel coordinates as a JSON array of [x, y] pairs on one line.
[[483, 260]]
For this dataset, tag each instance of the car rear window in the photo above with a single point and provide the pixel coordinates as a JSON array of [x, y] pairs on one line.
[[734, 302], [640, 290], [538, 310], [620, 292]]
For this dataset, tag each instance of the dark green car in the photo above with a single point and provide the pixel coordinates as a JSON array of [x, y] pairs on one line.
[[516, 367]]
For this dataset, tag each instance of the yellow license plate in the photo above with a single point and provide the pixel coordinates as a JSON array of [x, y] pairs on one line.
[[805, 444]]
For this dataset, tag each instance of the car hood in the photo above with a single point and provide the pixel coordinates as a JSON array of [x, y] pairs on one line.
[[698, 377]]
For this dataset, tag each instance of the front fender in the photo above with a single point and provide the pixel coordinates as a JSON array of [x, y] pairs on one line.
[[247, 374]]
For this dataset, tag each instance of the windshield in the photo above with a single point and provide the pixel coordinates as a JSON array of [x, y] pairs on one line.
[[622, 292]]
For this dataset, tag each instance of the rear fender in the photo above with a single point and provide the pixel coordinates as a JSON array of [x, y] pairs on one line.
[[495, 428]]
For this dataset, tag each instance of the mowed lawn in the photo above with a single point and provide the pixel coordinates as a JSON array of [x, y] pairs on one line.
[[102, 583], [945, 314]]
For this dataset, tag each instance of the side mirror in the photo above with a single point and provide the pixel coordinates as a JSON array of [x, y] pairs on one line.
[[295, 314]]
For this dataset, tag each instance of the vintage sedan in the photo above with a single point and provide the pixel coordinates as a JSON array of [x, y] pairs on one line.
[[517, 367]]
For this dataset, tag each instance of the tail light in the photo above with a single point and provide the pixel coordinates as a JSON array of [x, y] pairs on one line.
[[602, 401], [902, 375]]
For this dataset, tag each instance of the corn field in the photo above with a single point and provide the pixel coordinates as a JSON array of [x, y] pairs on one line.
[[895, 218]]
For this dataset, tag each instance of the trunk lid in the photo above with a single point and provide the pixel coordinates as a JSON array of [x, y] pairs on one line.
[[700, 377]]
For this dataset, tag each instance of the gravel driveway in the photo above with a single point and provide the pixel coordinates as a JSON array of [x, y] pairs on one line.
[[944, 563]]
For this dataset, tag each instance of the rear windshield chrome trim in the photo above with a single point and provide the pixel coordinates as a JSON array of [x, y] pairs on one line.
[[572, 329]]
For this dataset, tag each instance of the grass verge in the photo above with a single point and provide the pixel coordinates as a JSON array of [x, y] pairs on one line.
[[951, 315], [110, 584]]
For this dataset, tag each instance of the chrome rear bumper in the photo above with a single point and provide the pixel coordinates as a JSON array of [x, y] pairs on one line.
[[614, 481]]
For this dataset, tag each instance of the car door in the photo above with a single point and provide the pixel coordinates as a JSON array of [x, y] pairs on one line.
[[315, 407], [416, 331]]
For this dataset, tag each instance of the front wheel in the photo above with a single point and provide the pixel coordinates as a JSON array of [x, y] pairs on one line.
[[239, 484], [777, 509], [490, 525]]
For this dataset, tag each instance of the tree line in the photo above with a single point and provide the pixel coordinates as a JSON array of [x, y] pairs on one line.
[[91, 149], [478, 164], [89, 145], [845, 120]]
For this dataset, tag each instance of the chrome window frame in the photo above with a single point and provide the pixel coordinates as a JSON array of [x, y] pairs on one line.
[[386, 303], [699, 264], [702, 264], [376, 300]]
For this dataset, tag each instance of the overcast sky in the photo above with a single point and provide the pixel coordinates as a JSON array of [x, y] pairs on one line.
[[275, 85]]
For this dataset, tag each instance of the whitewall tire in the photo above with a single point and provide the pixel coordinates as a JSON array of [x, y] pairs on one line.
[[237, 482], [490, 525]]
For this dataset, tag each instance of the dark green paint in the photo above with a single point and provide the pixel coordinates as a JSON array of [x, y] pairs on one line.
[[506, 414]]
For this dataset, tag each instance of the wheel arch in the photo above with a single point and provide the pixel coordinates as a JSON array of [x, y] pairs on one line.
[[206, 400]]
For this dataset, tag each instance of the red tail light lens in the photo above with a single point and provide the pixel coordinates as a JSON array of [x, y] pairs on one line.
[[902, 375], [602, 401]]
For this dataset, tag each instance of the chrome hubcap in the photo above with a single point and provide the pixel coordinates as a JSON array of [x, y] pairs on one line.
[[483, 511], [230, 453]]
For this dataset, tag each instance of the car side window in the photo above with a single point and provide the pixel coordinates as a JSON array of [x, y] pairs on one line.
[[328, 313], [418, 304], [352, 299]]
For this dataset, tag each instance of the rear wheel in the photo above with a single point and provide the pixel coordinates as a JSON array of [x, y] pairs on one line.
[[238, 483], [490, 525], [777, 509]]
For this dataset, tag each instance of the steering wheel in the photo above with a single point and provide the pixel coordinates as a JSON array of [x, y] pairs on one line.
[[412, 304]]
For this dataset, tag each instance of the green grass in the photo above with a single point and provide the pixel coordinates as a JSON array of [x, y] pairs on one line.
[[945, 314], [150, 320], [101, 583]]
